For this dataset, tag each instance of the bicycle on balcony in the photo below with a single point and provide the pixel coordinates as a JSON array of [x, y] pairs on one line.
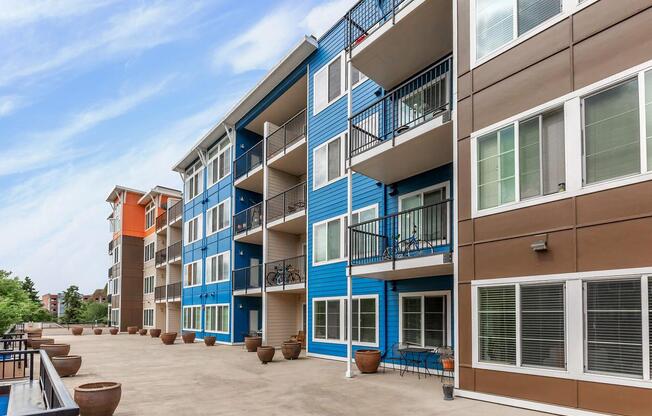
[[408, 247], [278, 276]]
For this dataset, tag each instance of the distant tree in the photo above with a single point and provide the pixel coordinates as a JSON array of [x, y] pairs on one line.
[[95, 311], [72, 301], [15, 303], [28, 286]]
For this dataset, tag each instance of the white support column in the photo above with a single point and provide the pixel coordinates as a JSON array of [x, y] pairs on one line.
[[349, 283]]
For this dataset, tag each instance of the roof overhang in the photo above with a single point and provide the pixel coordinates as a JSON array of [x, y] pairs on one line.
[[159, 190], [116, 191]]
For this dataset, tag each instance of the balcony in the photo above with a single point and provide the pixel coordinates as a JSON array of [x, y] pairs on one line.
[[160, 294], [248, 280], [248, 225], [286, 146], [248, 169], [110, 272], [161, 221], [419, 31], [174, 253], [409, 244], [114, 271], [287, 274], [173, 292], [111, 247], [161, 258], [287, 211], [411, 123], [175, 213]]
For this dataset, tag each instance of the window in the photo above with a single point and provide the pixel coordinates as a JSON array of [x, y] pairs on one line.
[[424, 319], [194, 181], [542, 325], [217, 318], [148, 285], [115, 317], [329, 239], [192, 318], [149, 251], [192, 275], [219, 217], [148, 317], [327, 320], [363, 246], [498, 22], [194, 229], [329, 83], [150, 215], [219, 161], [497, 324], [116, 254], [357, 77], [430, 221], [329, 162], [116, 286], [217, 268], [364, 321], [330, 319]]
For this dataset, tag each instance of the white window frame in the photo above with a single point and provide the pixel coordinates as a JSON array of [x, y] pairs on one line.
[[343, 86], [145, 324], [115, 311], [198, 276], [441, 293], [183, 317], [146, 250], [153, 280], [344, 310], [573, 139], [197, 172], [227, 215], [343, 240], [575, 331], [569, 7], [219, 152], [186, 230], [116, 254], [150, 210], [217, 307], [227, 256], [342, 138], [375, 207], [362, 79]]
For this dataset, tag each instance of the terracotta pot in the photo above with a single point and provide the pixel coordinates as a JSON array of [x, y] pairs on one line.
[[131, 330], [291, 350], [56, 350], [168, 338], [448, 364], [67, 365], [367, 361], [154, 332], [142, 332], [265, 354], [252, 343], [97, 331], [77, 330], [113, 331], [98, 399], [188, 337], [209, 340], [37, 342], [34, 333]]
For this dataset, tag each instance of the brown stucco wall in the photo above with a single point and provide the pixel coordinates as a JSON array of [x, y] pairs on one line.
[[131, 281]]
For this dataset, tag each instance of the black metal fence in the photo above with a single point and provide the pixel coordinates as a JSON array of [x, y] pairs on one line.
[[368, 15], [289, 133], [412, 103], [415, 232], [250, 160], [174, 291], [160, 293], [285, 272], [175, 211], [287, 203], [162, 220], [161, 257], [249, 219], [174, 251], [248, 278]]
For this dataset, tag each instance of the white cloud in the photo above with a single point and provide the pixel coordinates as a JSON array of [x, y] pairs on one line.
[[21, 12], [320, 18], [9, 104]]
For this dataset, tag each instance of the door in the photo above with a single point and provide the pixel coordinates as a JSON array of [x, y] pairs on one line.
[[254, 274], [304, 316], [253, 321], [429, 223]]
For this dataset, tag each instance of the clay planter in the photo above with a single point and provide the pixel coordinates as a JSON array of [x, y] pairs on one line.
[[34, 333], [154, 332], [265, 354], [77, 330], [252, 343], [56, 350], [168, 338], [142, 332], [131, 330], [37, 342], [367, 361], [67, 365], [188, 337], [113, 331], [291, 350], [97, 331], [209, 340], [448, 364], [98, 399]]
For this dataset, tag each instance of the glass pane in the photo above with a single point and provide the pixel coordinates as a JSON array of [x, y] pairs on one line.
[[543, 325], [411, 304], [333, 321], [494, 25], [648, 116], [321, 166], [532, 13], [553, 152], [529, 158], [497, 324], [334, 79], [334, 240], [321, 242], [334, 159]]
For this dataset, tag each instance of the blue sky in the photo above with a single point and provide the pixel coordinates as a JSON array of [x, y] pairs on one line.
[[104, 92]]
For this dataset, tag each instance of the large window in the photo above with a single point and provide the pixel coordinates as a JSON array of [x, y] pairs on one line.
[[148, 285], [148, 317], [219, 217], [192, 274], [543, 329], [192, 318], [424, 319], [329, 239], [497, 324], [194, 181], [329, 161], [193, 229], [219, 161], [363, 244], [149, 251], [330, 320], [329, 83], [217, 267], [150, 215], [364, 319], [217, 318], [425, 214]]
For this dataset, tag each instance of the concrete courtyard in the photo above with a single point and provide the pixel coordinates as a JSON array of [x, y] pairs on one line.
[[197, 380]]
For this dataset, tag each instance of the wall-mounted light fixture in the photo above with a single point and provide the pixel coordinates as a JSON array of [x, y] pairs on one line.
[[540, 244]]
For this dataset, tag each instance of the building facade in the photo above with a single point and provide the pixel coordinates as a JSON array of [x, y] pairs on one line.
[[50, 303]]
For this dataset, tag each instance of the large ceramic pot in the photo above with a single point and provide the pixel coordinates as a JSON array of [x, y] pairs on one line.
[[265, 354], [37, 342], [34, 333], [77, 330], [252, 343], [142, 332], [209, 340], [367, 361], [154, 332], [67, 365], [291, 350], [113, 331], [56, 350], [188, 337], [97, 331], [98, 399], [131, 330], [168, 338]]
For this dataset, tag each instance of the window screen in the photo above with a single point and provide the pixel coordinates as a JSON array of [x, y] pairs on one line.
[[497, 324], [532, 13]]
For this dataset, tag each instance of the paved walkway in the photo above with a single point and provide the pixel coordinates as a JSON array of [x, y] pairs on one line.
[[226, 380]]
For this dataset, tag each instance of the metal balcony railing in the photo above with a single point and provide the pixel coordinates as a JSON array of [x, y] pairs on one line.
[[291, 132], [111, 247], [418, 100], [162, 220], [250, 160], [286, 203], [160, 293], [110, 272], [174, 251], [248, 278], [161, 257], [175, 211], [114, 271], [368, 15], [249, 219], [421, 231], [174, 291], [285, 272]]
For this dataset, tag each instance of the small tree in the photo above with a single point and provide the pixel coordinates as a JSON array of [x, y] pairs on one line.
[[15, 303], [95, 311], [72, 301], [28, 286]]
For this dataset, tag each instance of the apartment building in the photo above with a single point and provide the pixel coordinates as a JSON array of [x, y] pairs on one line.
[[554, 204], [50, 303]]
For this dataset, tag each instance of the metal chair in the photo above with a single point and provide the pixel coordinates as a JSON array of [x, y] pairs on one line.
[[394, 355]]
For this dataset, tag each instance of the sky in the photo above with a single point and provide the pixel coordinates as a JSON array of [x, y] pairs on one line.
[[95, 93]]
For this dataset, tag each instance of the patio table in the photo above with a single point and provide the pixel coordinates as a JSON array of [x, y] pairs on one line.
[[415, 357]]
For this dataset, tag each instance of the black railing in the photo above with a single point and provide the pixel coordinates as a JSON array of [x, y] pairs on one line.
[[174, 251], [110, 246], [249, 219], [367, 16], [160, 293], [248, 278], [161, 257], [175, 211], [421, 231], [110, 272], [115, 270], [289, 133], [285, 272], [162, 220], [412, 103], [250, 160], [286, 203], [174, 291]]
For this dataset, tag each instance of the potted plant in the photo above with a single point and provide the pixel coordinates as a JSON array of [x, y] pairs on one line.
[[448, 369], [37, 342], [265, 354], [188, 337], [98, 399], [209, 340], [56, 350], [142, 332], [253, 342], [97, 331], [168, 338], [154, 332], [291, 350], [77, 330], [113, 331], [367, 361], [131, 330], [67, 365]]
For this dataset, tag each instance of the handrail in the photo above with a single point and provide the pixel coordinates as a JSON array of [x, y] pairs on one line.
[[174, 290], [286, 203], [248, 161], [290, 132], [175, 211], [248, 278], [160, 293], [248, 219], [174, 251], [160, 256], [285, 272], [162, 220], [368, 15], [55, 395]]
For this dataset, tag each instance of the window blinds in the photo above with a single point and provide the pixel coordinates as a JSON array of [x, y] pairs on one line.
[[542, 325], [497, 324]]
